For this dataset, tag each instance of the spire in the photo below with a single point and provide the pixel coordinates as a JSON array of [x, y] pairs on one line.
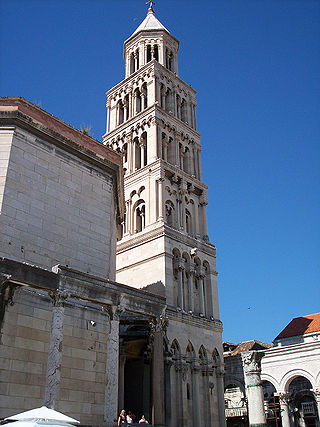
[[150, 23]]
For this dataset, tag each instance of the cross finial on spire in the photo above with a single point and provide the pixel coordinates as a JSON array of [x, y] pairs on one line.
[[150, 3]]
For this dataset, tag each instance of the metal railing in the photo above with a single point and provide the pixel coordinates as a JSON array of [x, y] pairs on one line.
[[235, 412]]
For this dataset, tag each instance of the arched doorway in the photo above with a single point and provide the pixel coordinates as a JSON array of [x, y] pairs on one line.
[[303, 405]]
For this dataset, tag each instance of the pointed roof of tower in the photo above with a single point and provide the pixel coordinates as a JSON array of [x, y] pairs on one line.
[[150, 23]]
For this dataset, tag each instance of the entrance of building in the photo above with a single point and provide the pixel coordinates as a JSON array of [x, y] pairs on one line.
[[135, 364]]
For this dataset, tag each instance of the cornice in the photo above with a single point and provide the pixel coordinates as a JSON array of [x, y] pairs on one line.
[[163, 230], [194, 320]]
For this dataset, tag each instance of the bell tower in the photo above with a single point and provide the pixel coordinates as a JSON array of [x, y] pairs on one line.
[[163, 245], [152, 122]]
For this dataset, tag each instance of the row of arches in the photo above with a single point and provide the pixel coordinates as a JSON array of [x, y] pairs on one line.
[[192, 290], [186, 215], [132, 104], [195, 384], [175, 104], [184, 156], [296, 400]]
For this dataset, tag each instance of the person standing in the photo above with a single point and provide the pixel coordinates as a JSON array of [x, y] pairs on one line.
[[122, 418]]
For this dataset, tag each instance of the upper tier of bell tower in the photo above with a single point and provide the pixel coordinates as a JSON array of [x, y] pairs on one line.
[[151, 40]]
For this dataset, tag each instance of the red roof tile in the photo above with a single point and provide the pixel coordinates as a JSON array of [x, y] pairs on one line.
[[301, 326]]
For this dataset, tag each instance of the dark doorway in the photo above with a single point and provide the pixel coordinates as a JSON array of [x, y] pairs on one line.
[[134, 339]]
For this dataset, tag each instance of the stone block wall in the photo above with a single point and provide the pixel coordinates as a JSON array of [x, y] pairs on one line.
[[84, 358], [25, 339], [24, 354], [57, 209]]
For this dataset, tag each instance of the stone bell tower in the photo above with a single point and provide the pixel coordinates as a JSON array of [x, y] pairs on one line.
[[163, 246]]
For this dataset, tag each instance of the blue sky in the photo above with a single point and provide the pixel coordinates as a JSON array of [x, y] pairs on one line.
[[255, 65]]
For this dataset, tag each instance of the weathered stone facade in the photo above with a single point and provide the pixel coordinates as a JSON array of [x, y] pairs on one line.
[[163, 245]]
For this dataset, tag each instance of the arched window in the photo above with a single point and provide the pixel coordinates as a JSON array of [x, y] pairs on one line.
[[156, 52], [190, 352], [137, 152], [132, 63], [138, 100], [126, 107], [175, 349], [144, 93], [137, 60], [148, 53], [184, 111], [168, 107], [139, 213], [188, 222], [203, 354], [120, 112], [144, 149], [170, 214]]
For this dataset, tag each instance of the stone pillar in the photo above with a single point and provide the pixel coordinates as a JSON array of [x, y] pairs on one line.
[[108, 116], [316, 393], [122, 362], [252, 368], [112, 366], [201, 294], [284, 409], [180, 287], [190, 284], [52, 387], [195, 396], [220, 395], [158, 327], [167, 388], [179, 369], [160, 198]]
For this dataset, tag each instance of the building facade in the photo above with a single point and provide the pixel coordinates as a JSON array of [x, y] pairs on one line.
[[163, 244], [278, 385]]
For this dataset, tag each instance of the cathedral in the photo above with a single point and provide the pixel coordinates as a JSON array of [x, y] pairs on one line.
[[108, 279]]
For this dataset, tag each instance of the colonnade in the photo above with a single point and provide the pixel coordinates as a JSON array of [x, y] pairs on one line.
[[193, 285], [171, 100], [191, 382], [146, 51], [185, 156]]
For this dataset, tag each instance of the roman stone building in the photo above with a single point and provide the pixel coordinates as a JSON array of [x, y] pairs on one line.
[[163, 244]]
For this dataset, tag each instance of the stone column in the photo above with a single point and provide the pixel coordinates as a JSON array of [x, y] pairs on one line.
[[197, 420], [316, 393], [160, 198], [158, 327], [167, 378], [190, 284], [201, 294], [112, 366], [179, 410], [284, 409], [108, 116], [220, 395], [252, 368], [52, 387], [122, 362], [180, 287]]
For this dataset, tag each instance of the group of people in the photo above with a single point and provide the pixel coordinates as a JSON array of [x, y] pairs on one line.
[[129, 418]]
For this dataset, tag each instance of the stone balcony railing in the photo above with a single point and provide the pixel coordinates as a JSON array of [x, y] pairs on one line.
[[236, 412]]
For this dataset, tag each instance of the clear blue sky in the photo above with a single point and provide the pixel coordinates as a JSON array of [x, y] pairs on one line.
[[256, 67]]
